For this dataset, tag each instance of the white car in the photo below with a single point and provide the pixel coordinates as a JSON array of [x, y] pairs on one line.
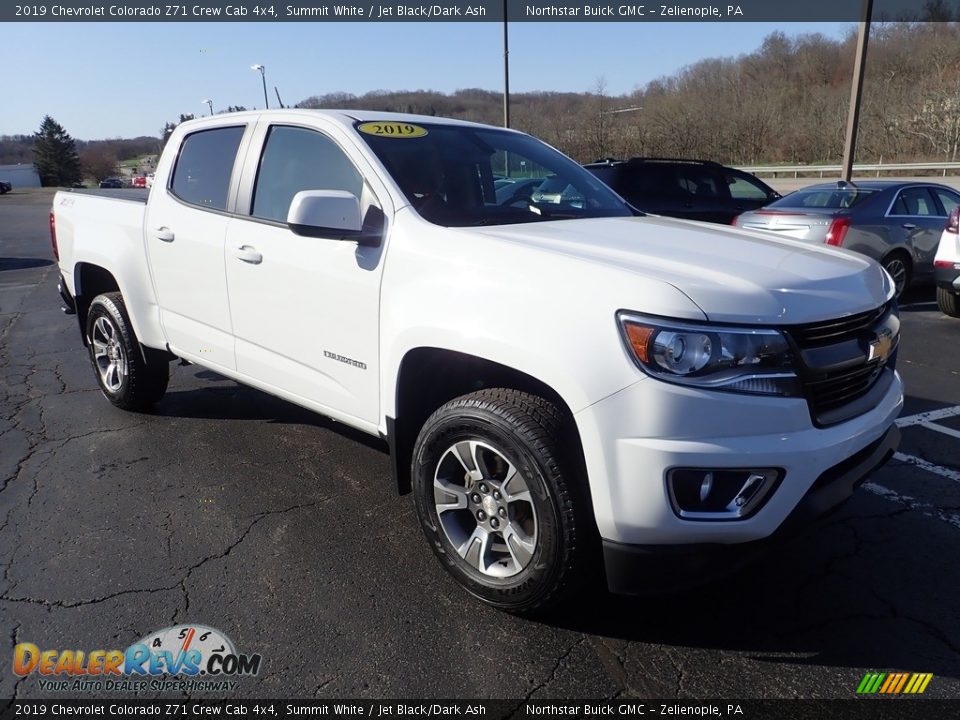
[[946, 266], [564, 384]]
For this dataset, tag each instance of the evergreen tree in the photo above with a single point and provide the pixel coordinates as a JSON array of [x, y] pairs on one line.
[[55, 155]]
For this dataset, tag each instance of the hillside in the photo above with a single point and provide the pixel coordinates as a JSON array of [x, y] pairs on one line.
[[786, 102]]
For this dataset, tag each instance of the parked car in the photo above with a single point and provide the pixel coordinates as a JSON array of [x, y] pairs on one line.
[[510, 191], [946, 266], [896, 223], [561, 383], [111, 182], [5, 187], [692, 189], [139, 181], [150, 177]]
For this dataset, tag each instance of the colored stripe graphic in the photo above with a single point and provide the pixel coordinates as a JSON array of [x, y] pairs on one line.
[[918, 683], [870, 683], [894, 683]]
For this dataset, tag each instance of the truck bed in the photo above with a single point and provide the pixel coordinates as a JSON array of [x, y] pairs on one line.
[[138, 195]]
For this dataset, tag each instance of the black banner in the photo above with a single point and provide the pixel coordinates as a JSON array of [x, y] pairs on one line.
[[472, 11], [859, 709]]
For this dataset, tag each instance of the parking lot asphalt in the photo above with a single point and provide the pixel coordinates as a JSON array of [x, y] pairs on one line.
[[230, 508]]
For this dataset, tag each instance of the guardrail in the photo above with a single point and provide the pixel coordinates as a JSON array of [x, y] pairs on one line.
[[796, 170]]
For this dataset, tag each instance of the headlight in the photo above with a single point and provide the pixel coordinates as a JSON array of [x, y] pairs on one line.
[[746, 360]]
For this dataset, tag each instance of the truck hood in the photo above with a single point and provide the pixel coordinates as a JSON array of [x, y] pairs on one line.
[[732, 275]]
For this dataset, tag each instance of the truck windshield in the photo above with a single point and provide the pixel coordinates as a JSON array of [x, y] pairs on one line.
[[458, 176]]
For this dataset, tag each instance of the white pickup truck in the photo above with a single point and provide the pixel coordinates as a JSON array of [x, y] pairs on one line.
[[558, 377]]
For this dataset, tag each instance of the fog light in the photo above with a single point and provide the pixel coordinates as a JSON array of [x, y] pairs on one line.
[[706, 486], [720, 494]]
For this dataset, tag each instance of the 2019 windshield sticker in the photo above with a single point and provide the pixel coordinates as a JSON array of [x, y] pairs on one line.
[[392, 129]]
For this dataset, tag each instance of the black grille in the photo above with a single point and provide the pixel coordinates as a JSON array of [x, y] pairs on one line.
[[824, 333], [838, 389], [829, 390]]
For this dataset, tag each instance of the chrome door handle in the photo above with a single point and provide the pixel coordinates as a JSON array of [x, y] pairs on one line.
[[909, 226], [164, 233], [248, 254]]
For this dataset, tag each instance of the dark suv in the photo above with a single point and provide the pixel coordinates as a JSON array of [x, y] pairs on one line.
[[692, 189]]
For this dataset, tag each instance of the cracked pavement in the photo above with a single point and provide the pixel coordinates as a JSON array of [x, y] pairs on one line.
[[233, 509]]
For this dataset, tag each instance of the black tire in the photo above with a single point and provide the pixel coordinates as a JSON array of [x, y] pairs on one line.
[[948, 302], [532, 435], [138, 385], [895, 263]]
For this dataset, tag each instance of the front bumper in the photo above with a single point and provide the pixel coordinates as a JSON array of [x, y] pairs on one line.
[[634, 437], [653, 569]]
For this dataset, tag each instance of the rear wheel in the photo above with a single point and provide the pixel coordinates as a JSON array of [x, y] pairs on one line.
[[497, 501], [948, 302], [897, 265], [125, 378]]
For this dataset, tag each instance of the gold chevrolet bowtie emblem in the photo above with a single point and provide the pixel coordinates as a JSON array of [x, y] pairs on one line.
[[880, 348]]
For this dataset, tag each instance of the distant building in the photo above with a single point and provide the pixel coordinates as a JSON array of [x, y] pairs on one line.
[[20, 176]]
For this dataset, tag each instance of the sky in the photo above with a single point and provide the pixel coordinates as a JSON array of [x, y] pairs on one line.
[[108, 80]]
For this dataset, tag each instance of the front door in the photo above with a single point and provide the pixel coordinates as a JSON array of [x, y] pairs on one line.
[[305, 310]]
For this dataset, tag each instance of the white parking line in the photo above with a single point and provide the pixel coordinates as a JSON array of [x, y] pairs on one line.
[[911, 503], [927, 421], [941, 429], [926, 417], [940, 470]]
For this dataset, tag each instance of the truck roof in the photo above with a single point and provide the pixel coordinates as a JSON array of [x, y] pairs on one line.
[[344, 117]]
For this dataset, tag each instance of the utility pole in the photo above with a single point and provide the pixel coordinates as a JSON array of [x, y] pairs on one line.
[[856, 91], [506, 69]]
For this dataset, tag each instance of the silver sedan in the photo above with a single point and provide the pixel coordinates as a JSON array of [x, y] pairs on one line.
[[896, 223]]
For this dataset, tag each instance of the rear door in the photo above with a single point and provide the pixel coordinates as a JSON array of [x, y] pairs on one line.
[[306, 309], [705, 193], [918, 218], [185, 229]]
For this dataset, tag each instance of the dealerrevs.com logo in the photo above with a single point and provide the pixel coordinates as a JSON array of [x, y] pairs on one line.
[[179, 658]]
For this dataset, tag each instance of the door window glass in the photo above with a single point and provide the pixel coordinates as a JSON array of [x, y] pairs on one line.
[[202, 174], [701, 183], [948, 200], [916, 202], [743, 188], [296, 159]]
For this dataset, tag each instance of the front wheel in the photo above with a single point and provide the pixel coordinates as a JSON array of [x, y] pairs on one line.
[[125, 378], [498, 502]]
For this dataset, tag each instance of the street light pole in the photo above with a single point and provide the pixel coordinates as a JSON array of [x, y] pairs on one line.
[[209, 104], [263, 77], [612, 112], [506, 69], [856, 91]]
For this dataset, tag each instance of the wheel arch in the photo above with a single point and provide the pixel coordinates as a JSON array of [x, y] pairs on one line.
[[428, 377], [91, 280]]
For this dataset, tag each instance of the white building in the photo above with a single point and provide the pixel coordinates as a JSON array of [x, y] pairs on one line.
[[20, 176]]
